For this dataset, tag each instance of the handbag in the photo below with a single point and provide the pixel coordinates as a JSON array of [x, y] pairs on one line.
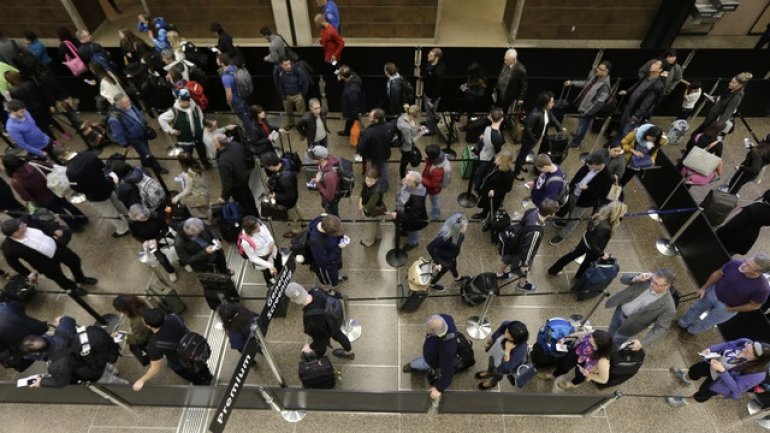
[[615, 191], [416, 157], [521, 375], [73, 61], [270, 209], [355, 133], [695, 178], [378, 210], [701, 161]]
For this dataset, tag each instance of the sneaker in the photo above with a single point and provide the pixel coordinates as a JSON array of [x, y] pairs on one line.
[[219, 326], [544, 375], [172, 277], [567, 384], [342, 134], [357, 158], [527, 287], [555, 274], [343, 278], [479, 216], [88, 281], [676, 401], [504, 276], [556, 240], [340, 353], [120, 235], [681, 375], [437, 287], [407, 368]]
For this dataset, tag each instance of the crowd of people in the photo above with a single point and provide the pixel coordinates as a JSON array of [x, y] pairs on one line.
[[169, 75]]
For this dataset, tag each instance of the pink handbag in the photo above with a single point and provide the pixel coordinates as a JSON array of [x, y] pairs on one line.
[[695, 178], [74, 62]]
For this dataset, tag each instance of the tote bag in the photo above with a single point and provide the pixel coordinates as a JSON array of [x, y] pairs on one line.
[[73, 61]]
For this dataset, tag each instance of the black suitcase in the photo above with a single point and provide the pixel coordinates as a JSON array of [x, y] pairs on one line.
[[498, 222], [541, 359], [410, 300], [17, 289], [717, 206], [555, 145], [160, 296], [475, 129], [318, 373], [595, 279], [561, 105], [624, 364], [221, 283], [474, 290], [228, 231]]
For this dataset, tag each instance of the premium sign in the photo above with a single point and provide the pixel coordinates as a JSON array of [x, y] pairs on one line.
[[275, 293], [235, 387]]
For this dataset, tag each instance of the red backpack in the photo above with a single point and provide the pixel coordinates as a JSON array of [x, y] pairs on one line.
[[196, 92]]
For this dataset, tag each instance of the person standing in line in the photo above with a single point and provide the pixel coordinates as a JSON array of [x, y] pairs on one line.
[[327, 180], [234, 175], [260, 248], [433, 73], [184, 120], [282, 186], [726, 104], [137, 340], [371, 206], [435, 177], [490, 144], [495, 185], [129, 128], [506, 350], [312, 125], [643, 97], [445, 248], [326, 239], [292, 84], [741, 231], [330, 41], [439, 353], [353, 102], [239, 104], [410, 131], [410, 209], [374, 145], [318, 326], [591, 99], [511, 86], [538, 122]]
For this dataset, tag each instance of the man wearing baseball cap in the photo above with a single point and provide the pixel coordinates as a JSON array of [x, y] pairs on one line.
[[319, 323]]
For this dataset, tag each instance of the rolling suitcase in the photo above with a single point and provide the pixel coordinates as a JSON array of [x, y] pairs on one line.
[[160, 296], [474, 291], [467, 162], [717, 206], [221, 284], [317, 373], [414, 288], [624, 364], [561, 105], [555, 145], [595, 279]]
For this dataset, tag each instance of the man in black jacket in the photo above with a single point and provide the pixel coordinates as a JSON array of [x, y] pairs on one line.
[[44, 254], [292, 84], [521, 240], [439, 354], [326, 239], [433, 80], [86, 174], [312, 125], [642, 99], [63, 366], [14, 326], [374, 145], [588, 190], [411, 214], [234, 174], [318, 324], [353, 99], [282, 183], [511, 83]]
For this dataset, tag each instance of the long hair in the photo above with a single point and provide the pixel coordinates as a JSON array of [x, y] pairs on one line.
[[603, 341], [452, 227], [130, 305], [611, 212], [187, 162], [235, 317], [758, 365]]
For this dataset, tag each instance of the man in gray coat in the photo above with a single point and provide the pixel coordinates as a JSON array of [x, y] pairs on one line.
[[646, 301], [671, 74], [591, 99]]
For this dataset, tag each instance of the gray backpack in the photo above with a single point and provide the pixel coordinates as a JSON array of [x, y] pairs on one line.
[[151, 192]]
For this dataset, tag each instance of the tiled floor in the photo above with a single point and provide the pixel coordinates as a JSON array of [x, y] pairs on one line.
[[391, 338]]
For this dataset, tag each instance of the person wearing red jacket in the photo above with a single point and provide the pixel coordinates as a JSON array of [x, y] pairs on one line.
[[435, 176], [327, 181], [331, 41]]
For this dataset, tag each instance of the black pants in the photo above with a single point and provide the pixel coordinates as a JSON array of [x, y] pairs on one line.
[[201, 377], [698, 371], [578, 251], [348, 125], [406, 157], [163, 260], [243, 195], [444, 269], [494, 377], [200, 148], [521, 158], [67, 211], [65, 256], [627, 176], [567, 363], [740, 178], [339, 337]]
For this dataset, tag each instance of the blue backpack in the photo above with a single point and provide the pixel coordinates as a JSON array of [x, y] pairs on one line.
[[554, 330], [231, 212]]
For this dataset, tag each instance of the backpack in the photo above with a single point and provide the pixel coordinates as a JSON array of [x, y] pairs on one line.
[[197, 94], [194, 54], [554, 330], [29, 65], [396, 139], [447, 167], [291, 162], [332, 310], [465, 358], [193, 351], [510, 238], [407, 90], [239, 244], [243, 82], [151, 192], [239, 135], [94, 346], [103, 59], [347, 183], [231, 213], [288, 51], [564, 194]]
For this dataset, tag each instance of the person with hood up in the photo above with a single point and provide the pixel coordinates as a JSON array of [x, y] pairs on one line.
[[435, 177], [184, 120], [410, 208]]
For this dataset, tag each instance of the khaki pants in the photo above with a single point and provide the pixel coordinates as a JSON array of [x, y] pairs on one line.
[[372, 232], [293, 104], [294, 216]]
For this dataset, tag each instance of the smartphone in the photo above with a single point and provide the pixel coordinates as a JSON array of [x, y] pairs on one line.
[[25, 382], [708, 356], [119, 338], [561, 347]]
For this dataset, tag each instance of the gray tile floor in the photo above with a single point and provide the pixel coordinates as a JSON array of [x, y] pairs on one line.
[[390, 337]]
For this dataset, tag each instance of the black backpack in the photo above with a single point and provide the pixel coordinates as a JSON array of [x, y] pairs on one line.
[[195, 55], [407, 91], [300, 244], [95, 347], [332, 310], [510, 238], [465, 358], [396, 139], [193, 351], [347, 179]]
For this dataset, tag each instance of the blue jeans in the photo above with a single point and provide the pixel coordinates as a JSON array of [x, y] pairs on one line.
[[413, 238], [717, 313], [419, 364], [435, 207], [431, 112], [617, 321], [241, 109], [583, 123]]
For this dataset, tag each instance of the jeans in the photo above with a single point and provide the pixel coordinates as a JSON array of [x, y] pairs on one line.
[[435, 207], [574, 213], [717, 313], [616, 322], [382, 169], [419, 364], [583, 123], [331, 207], [143, 149], [431, 112]]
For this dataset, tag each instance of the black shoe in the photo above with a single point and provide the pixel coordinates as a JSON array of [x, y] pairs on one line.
[[479, 216], [519, 177], [343, 278], [88, 281], [437, 287], [79, 291], [340, 353], [408, 247], [556, 240]]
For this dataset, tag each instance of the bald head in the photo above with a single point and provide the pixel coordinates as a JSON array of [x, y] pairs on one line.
[[436, 325]]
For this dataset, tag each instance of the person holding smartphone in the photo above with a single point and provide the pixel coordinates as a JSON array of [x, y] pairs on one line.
[[506, 349], [730, 368], [589, 356]]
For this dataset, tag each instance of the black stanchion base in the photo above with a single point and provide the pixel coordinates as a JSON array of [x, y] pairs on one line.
[[467, 200], [112, 322], [396, 257]]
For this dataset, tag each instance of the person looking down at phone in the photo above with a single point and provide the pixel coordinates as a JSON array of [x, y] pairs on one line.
[[730, 368], [589, 355], [646, 301]]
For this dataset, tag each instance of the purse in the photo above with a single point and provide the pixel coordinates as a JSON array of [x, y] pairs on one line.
[[355, 133], [72, 60], [701, 161], [615, 191], [521, 375], [416, 157]]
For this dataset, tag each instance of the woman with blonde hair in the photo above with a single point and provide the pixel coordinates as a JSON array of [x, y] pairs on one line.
[[496, 184], [410, 130], [600, 229], [176, 42]]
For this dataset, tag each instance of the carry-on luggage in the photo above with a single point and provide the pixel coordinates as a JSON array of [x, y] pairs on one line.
[[624, 364], [595, 279], [414, 287], [555, 146], [160, 296], [544, 351], [317, 373], [677, 131], [717, 206], [561, 105], [467, 161], [220, 284], [17, 289], [224, 217], [474, 290], [446, 128], [496, 222]]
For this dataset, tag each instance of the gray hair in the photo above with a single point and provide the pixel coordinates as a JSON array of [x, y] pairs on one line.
[[666, 274], [436, 325], [193, 226], [452, 227], [138, 212], [313, 101], [220, 138], [414, 176], [762, 260], [511, 52], [118, 97]]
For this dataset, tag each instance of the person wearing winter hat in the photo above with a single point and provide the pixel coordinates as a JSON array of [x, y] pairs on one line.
[[316, 324], [185, 122]]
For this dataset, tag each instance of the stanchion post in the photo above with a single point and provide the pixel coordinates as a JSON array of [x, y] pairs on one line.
[[654, 214], [604, 404], [397, 257], [468, 199], [108, 321], [668, 247], [581, 320], [268, 356], [350, 327], [478, 327], [288, 415]]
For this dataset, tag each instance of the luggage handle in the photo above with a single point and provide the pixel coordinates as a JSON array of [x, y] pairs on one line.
[[563, 89]]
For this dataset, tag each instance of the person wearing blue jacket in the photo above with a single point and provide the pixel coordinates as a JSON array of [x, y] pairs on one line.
[[331, 13], [25, 132], [439, 352], [730, 368], [506, 349], [445, 248], [36, 47], [129, 128], [326, 240], [14, 326]]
